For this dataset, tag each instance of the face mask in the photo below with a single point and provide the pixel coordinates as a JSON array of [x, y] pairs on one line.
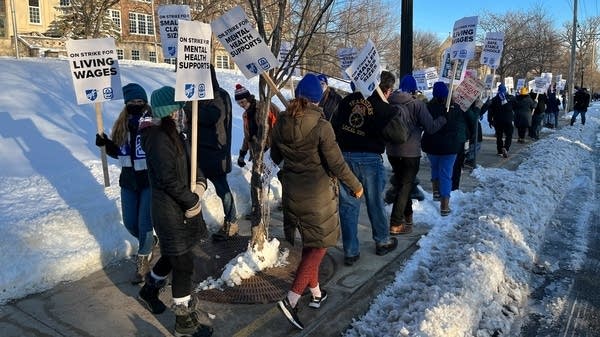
[[134, 109]]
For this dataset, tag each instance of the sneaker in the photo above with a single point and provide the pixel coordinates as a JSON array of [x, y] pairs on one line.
[[349, 260], [382, 249], [290, 313], [316, 302]]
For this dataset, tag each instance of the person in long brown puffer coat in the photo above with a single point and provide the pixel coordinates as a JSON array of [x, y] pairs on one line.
[[303, 142]]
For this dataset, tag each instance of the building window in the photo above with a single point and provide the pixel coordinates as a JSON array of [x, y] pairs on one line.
[[222, 61], [115, 16], [171, 61], [152, 56], [64, 3], [34, 11], [120, 54], [135, 55], [2, 18], [141, 24]]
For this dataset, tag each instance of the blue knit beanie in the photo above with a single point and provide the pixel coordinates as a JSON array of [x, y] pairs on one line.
[[134, 91], [309, 87], [408, 84], [163, 102], [440, 90], [502, 89]]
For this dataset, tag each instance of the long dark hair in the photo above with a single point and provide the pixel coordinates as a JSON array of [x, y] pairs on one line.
[[167, 124]]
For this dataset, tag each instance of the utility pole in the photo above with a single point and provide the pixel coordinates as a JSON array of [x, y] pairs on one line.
[[406, 38], [569, 94]]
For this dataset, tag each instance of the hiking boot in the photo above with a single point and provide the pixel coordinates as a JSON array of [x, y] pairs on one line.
[[290, 313], [148, 295], [400, 229], [187, 323], [142, 268], [382, 249], [445, 206], [229, 230], [315, 302], [349, 260]]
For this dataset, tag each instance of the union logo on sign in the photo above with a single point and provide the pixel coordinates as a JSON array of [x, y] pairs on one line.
[[201, 90], [264, 63], [107, 93], [91, 94], [252, 67], [372, 86], [172, 50], [189, 90]]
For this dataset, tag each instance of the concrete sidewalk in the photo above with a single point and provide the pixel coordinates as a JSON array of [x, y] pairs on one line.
[[104, 303]]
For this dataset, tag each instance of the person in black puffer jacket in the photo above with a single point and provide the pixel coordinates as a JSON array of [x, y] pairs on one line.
[[174, 206]]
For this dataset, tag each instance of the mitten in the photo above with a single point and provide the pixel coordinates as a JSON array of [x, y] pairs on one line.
[[194, 210], [101, 140]]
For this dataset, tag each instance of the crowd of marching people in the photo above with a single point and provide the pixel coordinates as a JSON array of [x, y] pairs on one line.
[[330, 152]]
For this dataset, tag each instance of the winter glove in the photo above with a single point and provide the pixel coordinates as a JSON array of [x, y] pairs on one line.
[[101, 140], [240, 161]]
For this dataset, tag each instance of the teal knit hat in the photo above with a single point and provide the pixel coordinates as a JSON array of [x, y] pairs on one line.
[[163, 102]]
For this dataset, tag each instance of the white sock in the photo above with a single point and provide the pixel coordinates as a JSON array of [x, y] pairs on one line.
[[156, 277], [293, 298], [316, 291], [182, 300]]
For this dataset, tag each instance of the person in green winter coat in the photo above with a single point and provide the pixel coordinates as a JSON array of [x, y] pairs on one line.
[[303, 142]]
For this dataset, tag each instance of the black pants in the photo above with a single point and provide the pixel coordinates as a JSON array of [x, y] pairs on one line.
[[521, 132], [457, 168], [405, 169], [506, 130], [182, 267]]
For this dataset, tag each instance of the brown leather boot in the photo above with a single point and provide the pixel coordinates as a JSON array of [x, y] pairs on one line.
[[435, 186], [445, 206], [400, 229]]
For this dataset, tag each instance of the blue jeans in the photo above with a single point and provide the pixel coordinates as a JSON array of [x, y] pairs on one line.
[[224, 192], [136, 209], [441, 170], [368, 168], [575, 114]]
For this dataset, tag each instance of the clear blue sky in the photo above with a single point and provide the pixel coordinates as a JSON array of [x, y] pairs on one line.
[[438, 16]]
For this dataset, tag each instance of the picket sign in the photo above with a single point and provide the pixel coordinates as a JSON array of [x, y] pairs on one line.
[[193, 77], [96, 78], [168, 25], [246, 47], [365, 71], [463, 46], [449, 98]]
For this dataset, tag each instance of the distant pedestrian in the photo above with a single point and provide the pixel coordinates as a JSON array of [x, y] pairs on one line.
[[312, 164], [251, 119], [214, 151], [552, 109], [500, 117], [124, 145], [581, 102], [523, 107], [538, 114], [173, 207]]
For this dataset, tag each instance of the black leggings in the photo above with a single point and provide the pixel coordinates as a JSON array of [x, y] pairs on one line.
[[182, 267]]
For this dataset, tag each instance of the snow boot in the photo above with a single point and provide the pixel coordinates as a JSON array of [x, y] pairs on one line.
[[435, 186], [187, 323], [149, 295], [142, 268], [229, 230], [445, 206]]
